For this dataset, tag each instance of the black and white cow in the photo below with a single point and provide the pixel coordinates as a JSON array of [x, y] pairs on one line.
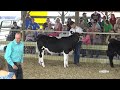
[[56, 45], [113, 50]]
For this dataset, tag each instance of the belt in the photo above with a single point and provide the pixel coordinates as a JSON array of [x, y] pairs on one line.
[[17, 63]]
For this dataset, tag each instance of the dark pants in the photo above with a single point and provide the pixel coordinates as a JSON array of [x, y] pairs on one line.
[[18, 72], [96, 52], [83, 52], [77, 52]]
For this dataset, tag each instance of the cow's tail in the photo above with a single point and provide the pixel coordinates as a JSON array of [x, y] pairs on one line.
[[36, 39]]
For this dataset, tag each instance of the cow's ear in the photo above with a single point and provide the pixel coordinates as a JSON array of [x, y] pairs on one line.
[[77, 33], [71, 32]]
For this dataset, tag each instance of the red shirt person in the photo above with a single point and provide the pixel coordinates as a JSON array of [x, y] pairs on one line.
[[113, 20]]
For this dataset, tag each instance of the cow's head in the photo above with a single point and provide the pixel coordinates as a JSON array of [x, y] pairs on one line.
[[76, 34], [76, 37], [39, 36], [79, 35]]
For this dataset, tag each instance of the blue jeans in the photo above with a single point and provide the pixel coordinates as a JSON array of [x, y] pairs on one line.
[[18, 72], [77, 52]]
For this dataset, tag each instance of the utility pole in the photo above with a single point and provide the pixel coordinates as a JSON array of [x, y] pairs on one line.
[[76, 17], [23, 14], [106, 13], [63, 17]]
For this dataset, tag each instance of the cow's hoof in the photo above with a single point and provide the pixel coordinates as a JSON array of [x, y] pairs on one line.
[[43, 65], [67, 65], [64, 66], [112, 66]]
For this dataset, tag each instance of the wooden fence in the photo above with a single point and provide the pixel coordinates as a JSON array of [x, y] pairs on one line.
[[89, 47]]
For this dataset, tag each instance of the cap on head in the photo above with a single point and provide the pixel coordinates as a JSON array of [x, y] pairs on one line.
[[14, 22], [84, 13], [69, 19], [71, 23]]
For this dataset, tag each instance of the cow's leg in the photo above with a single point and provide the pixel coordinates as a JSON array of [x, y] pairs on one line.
[[41, 61], [111, 60], [65, 59], [41, 55], [110, 54], [43, 64]]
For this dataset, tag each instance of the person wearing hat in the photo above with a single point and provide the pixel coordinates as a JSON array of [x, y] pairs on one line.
[[96, 16], [12, 32], [82, 24], [75, 28], [28, 20], [15, 26], [85, 19], [35, 26], [68, 24]]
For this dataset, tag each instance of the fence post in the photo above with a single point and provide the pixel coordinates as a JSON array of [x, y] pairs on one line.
[[63, 17], [76, 17], [23, 14]]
